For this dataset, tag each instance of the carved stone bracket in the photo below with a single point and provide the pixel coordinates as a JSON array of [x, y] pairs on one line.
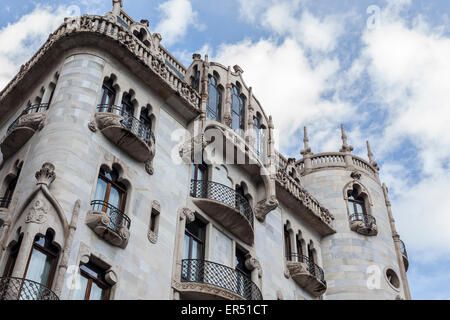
[[205, 289], [263, 207], [187, 214], [252, 263], [99, 222]]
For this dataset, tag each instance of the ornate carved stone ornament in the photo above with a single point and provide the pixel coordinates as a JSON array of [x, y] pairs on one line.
[[46, 175], [206, 289], [187, 214], [37, 213], [252, 263], [92, 126], [263, 207], [355, 175]]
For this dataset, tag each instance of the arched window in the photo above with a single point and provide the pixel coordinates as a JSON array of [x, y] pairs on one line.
[[93, 285], [107, 95], [237, 110], [356, 205], [260, 136], [110, 197], [214, 105], [9, 192], [145, 125], [299, 245], [287, 243], [41, 264], [127, 110], [195, 79]]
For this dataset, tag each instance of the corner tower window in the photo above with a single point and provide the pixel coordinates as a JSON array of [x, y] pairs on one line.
[[93, 285], [214, 105], [356, 205], [110, 197], [237, 109], [9, 192], [107, 96]]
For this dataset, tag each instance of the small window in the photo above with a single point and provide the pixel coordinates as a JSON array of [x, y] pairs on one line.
[[9, 192], [93, 285], [107, 95], [356, 205], [392, 278], [237, 110], [287, 244], [153, 227]]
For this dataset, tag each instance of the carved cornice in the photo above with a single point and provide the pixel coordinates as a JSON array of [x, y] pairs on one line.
[[303, 196], [206, 289], [152, 56]]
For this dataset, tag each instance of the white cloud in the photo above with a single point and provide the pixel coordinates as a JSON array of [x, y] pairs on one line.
[[178, 16], [21, 39]]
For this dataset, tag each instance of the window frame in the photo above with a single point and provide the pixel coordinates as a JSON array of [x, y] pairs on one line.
[[91, 279]]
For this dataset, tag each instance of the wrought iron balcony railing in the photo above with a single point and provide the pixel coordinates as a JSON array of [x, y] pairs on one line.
[[201, 271], [139, 127], [117, 217], [368, 220], [4, 202], [403, 248], [226, 195], [23, 289], [313, 268], [32, 109]]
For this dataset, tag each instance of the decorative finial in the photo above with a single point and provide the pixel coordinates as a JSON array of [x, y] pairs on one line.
[[117, 6], [270, 122], [370, 155], [238, 69], [196, 56], [345, 146], [306, 149], [46, 175]]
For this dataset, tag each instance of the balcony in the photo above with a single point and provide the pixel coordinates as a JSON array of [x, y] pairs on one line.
[[307, 274], [404, 254], [130, 134], [23, 128], [364, 224], [216, 281], [109, 223], [227, 207], [23, 289]]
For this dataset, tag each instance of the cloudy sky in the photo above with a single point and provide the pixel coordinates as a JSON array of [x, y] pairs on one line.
[[381, 67]]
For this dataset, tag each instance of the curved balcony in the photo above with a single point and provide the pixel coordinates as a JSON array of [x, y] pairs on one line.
[[23, 128], [364, 224], [213, 280], [109, 223], [4, 203], [226, 206], [404, 254], [23, 289], [307, 274], [132, 135]]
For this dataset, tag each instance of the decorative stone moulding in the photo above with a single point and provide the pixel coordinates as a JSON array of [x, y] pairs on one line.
[[153, 59], [364, 227], [299, 272], [295, 196], [100, 223], [127, 137], [20, 131], [204, 291]]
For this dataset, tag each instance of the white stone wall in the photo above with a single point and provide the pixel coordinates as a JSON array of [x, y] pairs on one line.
[[347, 255]]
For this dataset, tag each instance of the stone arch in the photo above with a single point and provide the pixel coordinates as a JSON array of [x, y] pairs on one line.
[[361, 190]]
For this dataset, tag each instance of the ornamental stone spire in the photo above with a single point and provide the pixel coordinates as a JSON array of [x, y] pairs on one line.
[[370, 155], [117, 6], [306, 148], [345, 146]]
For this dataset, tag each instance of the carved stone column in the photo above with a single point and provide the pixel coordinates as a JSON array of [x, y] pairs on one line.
[[227, 118]]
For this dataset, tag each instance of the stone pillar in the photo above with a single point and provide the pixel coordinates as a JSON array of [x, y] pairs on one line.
[[204, 89], [117, 6], [227, 118], [24, 253], [396, 238]]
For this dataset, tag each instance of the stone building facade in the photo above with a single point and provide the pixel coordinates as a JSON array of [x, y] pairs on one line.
[[126, 175]]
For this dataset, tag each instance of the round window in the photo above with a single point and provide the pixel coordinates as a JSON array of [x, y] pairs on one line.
[[392, 278]]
